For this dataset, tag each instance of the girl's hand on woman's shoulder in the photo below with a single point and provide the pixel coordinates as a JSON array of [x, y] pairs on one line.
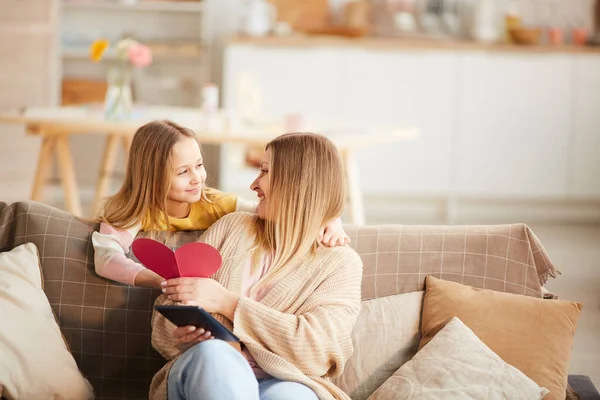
[[333, 234]]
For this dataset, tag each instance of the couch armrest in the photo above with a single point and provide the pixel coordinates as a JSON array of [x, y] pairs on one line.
[[584, 387], [7, 227]]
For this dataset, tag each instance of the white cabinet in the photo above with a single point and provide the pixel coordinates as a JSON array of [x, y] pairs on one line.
[[585, 150], [271, 83], [514, 123], [493, 124], [401, 89], [361, 88], [282, 81]]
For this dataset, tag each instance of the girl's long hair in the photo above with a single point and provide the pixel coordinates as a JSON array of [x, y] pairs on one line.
[[142, 197], [306, 192]]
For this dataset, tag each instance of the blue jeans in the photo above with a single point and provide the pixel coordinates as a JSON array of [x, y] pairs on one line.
[[213, 370]]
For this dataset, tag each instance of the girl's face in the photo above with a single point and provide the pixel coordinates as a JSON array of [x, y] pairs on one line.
[[188, 175], [261, 184]]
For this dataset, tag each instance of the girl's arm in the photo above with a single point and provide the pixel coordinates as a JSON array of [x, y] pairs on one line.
[[331, 235], [110, 247]]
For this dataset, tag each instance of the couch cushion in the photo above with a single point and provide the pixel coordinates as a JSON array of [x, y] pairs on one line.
[[533, 335], [386, 335], [35, 361], [397, 258], [456, 364]]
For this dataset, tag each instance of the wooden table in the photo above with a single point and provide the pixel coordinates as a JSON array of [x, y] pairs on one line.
[[55, 126]]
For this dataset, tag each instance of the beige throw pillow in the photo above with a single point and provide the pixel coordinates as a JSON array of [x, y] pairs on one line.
[[533, 335], [386, 335], [35, 362], [456, 365]]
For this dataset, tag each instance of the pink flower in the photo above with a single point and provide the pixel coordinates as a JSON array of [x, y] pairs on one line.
[[139, 55]]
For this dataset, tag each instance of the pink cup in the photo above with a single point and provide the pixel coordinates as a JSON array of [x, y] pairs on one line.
[[555, 36]]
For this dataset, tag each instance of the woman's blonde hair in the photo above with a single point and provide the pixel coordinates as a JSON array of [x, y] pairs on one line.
[[143, 196], [306, 192]]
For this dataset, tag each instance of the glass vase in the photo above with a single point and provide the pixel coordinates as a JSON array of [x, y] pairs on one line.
[[118, 102]]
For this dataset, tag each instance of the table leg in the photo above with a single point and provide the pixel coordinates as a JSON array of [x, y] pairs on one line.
[[126, 142], [43, 166], [357, 211], [106, 169], [67, 176], [451, 210]]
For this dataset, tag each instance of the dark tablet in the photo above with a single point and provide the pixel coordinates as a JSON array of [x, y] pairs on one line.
[[198, 317]]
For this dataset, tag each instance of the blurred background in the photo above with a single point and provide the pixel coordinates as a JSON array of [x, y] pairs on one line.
[[505, 95]]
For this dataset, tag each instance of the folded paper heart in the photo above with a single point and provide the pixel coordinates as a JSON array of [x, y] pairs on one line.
[[192, 260]]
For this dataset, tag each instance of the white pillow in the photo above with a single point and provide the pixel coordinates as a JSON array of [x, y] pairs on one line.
[[386, 335], [35, 361], [456, 364]]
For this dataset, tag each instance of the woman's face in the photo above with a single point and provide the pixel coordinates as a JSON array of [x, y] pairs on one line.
[[188, 174], [261, 184]]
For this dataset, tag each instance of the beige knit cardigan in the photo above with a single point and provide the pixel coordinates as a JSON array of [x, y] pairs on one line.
[[300, 331]]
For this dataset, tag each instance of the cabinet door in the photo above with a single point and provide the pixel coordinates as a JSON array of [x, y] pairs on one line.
[[585, 151], [271, 82], [385, 89], [284, 80], [28, 77], [514, 121]]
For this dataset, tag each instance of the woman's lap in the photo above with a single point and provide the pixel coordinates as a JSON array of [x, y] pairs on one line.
[[215, 370], [274, 389]]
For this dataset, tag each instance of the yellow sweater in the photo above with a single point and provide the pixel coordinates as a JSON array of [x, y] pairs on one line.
[[300, 331], [202, 215]]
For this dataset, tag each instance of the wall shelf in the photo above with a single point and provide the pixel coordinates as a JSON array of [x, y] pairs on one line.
[[161, 52], [175, 31], [143, 5]]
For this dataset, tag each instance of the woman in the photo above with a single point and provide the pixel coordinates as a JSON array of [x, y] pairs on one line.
[[291, 301]]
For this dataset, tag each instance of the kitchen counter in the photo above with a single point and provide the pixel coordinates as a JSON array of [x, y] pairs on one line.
[[405, 43]]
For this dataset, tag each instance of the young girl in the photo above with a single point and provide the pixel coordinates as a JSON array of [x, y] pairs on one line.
[[164, 191]]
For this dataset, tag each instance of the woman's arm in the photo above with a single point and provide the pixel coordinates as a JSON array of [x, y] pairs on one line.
[[317, 340], [170, 341], [163, 339], [110, 247]]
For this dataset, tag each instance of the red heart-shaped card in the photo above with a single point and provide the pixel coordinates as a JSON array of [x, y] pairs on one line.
[[192, 260]]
